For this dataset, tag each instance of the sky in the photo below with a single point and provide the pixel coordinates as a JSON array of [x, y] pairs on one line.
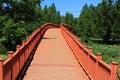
[[71, 6]]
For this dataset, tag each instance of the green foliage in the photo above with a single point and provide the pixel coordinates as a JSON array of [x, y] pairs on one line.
[[3, 56], [110, 52], [85, 25], [50, 14], [69, 19], [21, 17], [2, 49], [2, 21], [14, 33], [31, 27], [99, 22]]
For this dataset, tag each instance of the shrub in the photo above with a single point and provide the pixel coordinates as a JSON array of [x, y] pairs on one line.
[[2, 49]]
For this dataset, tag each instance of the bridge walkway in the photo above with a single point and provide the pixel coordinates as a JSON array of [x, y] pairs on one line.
[[54, 60]]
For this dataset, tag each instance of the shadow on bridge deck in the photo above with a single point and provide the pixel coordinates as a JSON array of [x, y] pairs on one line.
[[53, 60]]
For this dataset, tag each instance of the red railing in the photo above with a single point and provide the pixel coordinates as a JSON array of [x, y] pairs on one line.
[[94, 67], [11, 67]]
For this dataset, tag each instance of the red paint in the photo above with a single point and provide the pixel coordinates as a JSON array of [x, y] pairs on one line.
[[95, 68], [93, 65]]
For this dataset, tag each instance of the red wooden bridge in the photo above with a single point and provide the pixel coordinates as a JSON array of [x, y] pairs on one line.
[[52, 52]]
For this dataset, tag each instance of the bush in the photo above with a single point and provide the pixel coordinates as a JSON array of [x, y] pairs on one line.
[[110, 52], [14, 33], [2, 49]]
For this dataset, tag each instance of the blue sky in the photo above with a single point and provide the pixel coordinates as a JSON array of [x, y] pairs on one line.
[[71, 6]]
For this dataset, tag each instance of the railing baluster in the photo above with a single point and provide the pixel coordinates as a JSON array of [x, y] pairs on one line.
[[10, 55], [99, 57], [90, 63], [80, 51], [114, 70], [17, 59]]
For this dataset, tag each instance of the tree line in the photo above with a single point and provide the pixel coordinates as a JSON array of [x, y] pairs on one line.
[[18, 18], [99, 22]]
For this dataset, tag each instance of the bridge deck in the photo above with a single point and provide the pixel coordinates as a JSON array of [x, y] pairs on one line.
[[53, 60]]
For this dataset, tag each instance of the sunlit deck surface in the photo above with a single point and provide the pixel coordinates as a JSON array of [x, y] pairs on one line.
[[54, 60]]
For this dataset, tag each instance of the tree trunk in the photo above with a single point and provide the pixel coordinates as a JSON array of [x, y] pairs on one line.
[[107, 36]]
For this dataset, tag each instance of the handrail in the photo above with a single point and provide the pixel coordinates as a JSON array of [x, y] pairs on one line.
[[93, 65], [11, 67], [67, 26]]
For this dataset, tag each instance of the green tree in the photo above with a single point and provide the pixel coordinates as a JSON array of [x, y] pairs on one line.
[[50, 14], [69, 19], [14, 33], [15, 19], [100, 22], [58, 18], [116, 26], [82, 25], [104, 20], [2, 20], [45, 14]]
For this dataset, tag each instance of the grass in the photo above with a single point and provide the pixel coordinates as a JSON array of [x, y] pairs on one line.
[[109, 52], [3, 51], [3, 56]]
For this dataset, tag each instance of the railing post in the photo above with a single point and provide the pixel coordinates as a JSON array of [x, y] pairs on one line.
[[88, 63], [23, 42], [17, 47], [82, 55], [90, 50], [99, 57], [18, 61], [114, 70], [1, 69], [10, 55], [84, 45], [28, 38]]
